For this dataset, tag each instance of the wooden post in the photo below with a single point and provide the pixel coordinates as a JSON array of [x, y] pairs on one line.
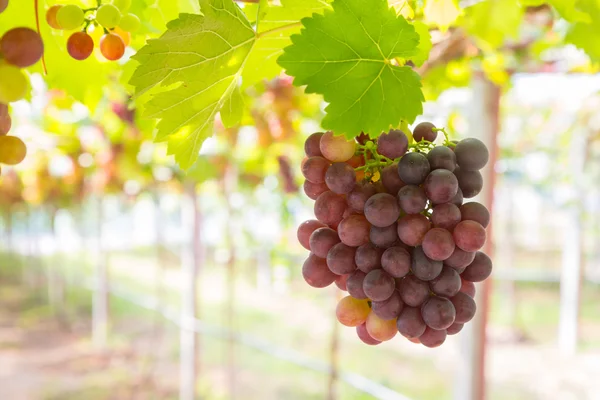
[[334, 355], [190, 256], [570, 279], [100, 295], [484, 125]]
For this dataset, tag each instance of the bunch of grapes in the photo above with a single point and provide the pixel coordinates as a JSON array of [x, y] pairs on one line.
[[392, 230], [111, 17]]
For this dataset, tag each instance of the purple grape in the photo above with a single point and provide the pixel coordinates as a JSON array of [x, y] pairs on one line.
[[470, 182], [412, 199], [438, 313], [340, 259], [438, 244], [480, 269], [393, 144], [413, 291], [382, 210], [465, 307], [384, 237], [314, 169], [390, 179], [445, 216], [440, 186], [312, 143], [442, 157], [458, 199], [475, 212], [459, 259], [424, 131], [354, 284], [316, 273], [322, 240], [410, 323], [354, 230], [413, 168], [378, 285], [359, 195], [423, 267], [433, 338], [340, 178], [390, 308], [412, 228], [368, 257], [447, 283], [306, 229], [471, 154], [396, 262], [329, 208]]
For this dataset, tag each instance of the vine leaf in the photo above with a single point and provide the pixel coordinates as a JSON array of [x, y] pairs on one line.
[[346, 55]]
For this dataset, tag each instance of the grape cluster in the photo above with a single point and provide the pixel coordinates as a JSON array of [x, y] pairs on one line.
[[110, 17], [392, 230]]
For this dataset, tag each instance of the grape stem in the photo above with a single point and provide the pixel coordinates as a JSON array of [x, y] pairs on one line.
[[37, 24]]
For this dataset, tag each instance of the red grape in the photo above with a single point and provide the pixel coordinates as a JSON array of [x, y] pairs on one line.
[[384, 237], [438, 313], [471, 154], [314, 190], [469, 235], [480, 269], [467, 287], [433, 338], [459, 259], [412, 199], [390, 308], [340, 259], [329, 208], [412, 228], [392, 144], [112, 47], [51, 16], [413, 168], [80, 45], [390, 179], [382, 210], [423, 267], [354, 284], [441, 186], [447, 283], [410, 323], [413, 291], [475, 212], [306, 229], [354, 230], [322, 240], [314, 169], [378, 285], [442, 157], [340, 178], [454, 328], [359, 195], [368, 257], [470, 182], [381, 329], [424, 131], [312, 145], [21, 47], [361, 331], [445, 216], [316, 273], [340, 282], [438, 244], [465, 307], [396, 262]]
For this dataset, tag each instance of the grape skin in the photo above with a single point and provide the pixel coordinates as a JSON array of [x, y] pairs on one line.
[[354, 284], [340, 282], [413, 168], [447, 283], [438, 244], [413, 291], [440, 186], [381, 329], [80, 45], [361, 331], [314, 169], [445, 216], [13, 85], [340, 259], [459, 258], [382, 210], [340, 178], [467, 287], [130, 23], [475, 212], [465, 307], [470, 182], [412, 199], [108, 16], [336, 148], [352, 312], [12, 150], [471, 154], [51, 16], [359, 195], [410, 323], [433, 338], [312, 145], [423, 267], [424, 131], [322, 240], [5, 120], [457, 200], [314, 190], [368, 257], [378, 285], [69, 17], [390, 179], [329, 208], [21, 47], [390, 308], [384, 237], [316, 273], [412, 229], [454, 328], [469, 235], [392, 144], [3, 5], [112, 47], [438, 313], [354, 230], [306, 229], [442, 157], [480, 269], [396, 262]]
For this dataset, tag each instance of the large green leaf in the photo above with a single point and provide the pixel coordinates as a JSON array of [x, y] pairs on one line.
[[492, 22], [584, 33], [346, 55]]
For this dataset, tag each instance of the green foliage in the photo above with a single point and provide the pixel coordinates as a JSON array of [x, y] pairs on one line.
[[492, 22], [583, 33], [346, 55]]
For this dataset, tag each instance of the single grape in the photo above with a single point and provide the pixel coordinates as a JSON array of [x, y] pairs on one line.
[[441, 186], [392, 144], [312, 145], [413, 291], [423, 267], [5, 120], [13, 85], [125, 36], [3, 5], [390, 179], [396, 262], [69, 17], [410, 323], [21, 47], [480, 269], [475, 212], [470, 182], [412, 228], [454, 328], [329, 208], [322, 240], [122, 5], [340, 178], [337, 148], [469, 235], [445, 216], [412, 199], [424, 131], [316, 273], [354, 284], [306, 229], [381, 329], [12, 150], [354, 230], [80, 45], [314, 190], [359, 195], [356, 161], [441, 157], [459, 259], [458, 199], [340, 259], [471, 154], [413, 168], [51, 16], [438, 313], [390, 308], [378, 285], [382, 210], [433, 338], [108, 16], [467, 287], [352, 312], [384, 237], [447, 283], [465, 307], [438, 244], [130, 23], [368, 257], [315, 168], [363, 335], [340, 282], [112, 47]]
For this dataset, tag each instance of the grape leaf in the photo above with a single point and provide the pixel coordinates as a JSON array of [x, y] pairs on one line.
[[491, 22], [231, 113], [424, 43], [584, 33], [346, 54]]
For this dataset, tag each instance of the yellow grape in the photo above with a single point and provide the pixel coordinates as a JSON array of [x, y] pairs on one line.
[[337, 148], [108, 16], [51, 16], [69, 17], [12, 150], [13, 83], [351, 311], [122, 5], [381, 329], [130, 23], [112, 47]]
